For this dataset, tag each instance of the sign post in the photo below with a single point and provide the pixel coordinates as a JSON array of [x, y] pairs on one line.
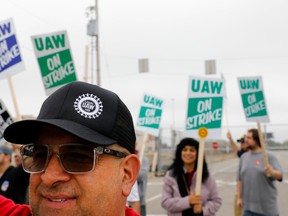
[[18, 115], [254, 105], [149, 119], [203, 133]]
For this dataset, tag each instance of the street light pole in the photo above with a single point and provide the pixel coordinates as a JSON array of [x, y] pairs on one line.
[[173, 130], [98, 82]]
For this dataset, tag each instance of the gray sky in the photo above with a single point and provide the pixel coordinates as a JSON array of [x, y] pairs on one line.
[[246, 37]]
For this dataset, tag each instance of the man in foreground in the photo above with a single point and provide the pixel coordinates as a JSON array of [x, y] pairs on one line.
[[79, 152]]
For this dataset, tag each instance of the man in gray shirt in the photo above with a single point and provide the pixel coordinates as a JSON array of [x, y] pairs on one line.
[[256, 185]]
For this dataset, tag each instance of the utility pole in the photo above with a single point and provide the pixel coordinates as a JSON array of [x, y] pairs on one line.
[[98, 82], [93, 31], [173, 130]]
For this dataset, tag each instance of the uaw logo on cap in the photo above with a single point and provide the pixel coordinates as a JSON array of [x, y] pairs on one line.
[[88, 106]]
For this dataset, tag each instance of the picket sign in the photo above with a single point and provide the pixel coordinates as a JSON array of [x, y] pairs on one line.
[[12, 62], [254, 105], [149, 122], [150, 114], [54, 59], [204, 106]]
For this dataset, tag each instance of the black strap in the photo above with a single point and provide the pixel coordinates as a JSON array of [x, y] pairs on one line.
[[182, 183]]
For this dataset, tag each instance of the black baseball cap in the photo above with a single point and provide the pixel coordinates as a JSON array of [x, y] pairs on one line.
[[87, 111], [241, 139]]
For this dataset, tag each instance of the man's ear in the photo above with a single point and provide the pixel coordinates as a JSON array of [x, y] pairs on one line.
[[131, 166]]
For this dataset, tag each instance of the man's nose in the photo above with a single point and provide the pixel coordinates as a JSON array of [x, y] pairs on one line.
[[54, 172]]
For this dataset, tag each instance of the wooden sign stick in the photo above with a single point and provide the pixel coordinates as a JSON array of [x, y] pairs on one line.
[[86, 64], [18, 116], [143, 144], [263, 146], [226, 113], [200, 166]]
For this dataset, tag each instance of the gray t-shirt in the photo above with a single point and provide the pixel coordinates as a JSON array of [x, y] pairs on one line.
[[259, 192]]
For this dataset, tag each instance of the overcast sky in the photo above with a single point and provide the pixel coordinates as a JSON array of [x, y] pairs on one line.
[[245, 37]]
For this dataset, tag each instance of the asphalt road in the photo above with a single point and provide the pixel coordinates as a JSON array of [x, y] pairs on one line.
[[225, 174]]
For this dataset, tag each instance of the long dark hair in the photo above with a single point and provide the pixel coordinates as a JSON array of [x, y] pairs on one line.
[[177, 165], [255, 136]]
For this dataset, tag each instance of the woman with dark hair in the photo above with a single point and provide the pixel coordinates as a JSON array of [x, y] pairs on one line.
[[178, 194]]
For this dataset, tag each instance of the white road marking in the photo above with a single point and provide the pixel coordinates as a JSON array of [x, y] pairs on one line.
[[224, 169], [220, 182], [153, 198]]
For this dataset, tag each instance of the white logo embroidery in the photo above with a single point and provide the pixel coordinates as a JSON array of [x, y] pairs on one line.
[[89, 106]]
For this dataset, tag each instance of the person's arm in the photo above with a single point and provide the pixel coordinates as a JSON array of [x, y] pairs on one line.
[[274, 168], [232, 143], [171, 200], [239, 194]]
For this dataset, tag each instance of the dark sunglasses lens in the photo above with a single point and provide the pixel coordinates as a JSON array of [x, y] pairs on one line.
[[77, 158], [34, 157]]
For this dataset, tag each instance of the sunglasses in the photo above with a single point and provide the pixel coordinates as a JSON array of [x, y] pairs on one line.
[[74, 158]]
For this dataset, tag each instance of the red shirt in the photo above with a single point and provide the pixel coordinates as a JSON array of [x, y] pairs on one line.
[[130, 212], [9, 208]]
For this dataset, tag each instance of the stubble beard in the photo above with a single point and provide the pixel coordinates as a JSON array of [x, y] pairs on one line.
[[79, 212]]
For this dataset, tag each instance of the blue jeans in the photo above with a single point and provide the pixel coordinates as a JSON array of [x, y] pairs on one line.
[[249, 213]]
